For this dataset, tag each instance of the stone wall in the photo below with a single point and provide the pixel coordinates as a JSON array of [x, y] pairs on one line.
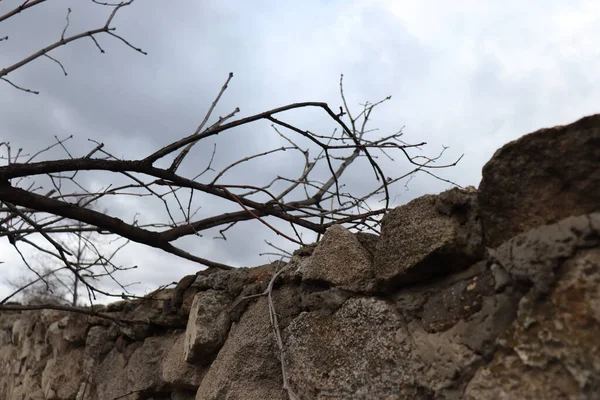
[[470, 294]]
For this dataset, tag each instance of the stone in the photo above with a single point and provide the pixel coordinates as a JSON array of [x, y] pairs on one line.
[[374, 349], [340, 260], [352, 354], [63, 375], [460, 300], [501, 277], [49, 316], [18, 332], [96, 339], [176, 371], [207, 326], [227, 281], [55, 336], [247, 367], [535, 256], [5, 338], [325, 302], [552, 349], [369, 241], [76, 328], [137, 369], [156, 300], [429, 236], [541, 178]]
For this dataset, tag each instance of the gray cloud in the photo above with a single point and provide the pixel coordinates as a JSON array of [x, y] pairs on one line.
[[471, 76]]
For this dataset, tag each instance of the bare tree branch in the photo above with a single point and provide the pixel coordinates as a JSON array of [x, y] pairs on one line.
[[62, 41], [43, 202]]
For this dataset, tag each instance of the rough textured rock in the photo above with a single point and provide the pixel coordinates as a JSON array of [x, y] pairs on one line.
[[422, 312], [345, 356], [120, 373], [341, 260], [535, 256], [541, 178], [431, 235], [405, 347], [551, 350], [176, 372], [58, 379], [208, 326], [325, 302], [248, 367], [460, 300], [42, 361]]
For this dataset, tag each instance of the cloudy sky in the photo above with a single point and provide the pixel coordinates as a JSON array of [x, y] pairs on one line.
[[471, 75]]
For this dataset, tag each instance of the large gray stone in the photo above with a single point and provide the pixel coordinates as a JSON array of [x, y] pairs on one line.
[[63, 375], [76, 328], [248, 366], [340, 260], [136, 370], [411, 347], [352, 354], [551, 351], [176, 372], [534, 257], [429, 236], [207, 327], [541, 178]]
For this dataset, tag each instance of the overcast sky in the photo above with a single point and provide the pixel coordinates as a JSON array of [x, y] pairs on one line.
[[471, 75]]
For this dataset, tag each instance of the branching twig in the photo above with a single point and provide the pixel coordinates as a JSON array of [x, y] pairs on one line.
[[63, 41], [314, 197]]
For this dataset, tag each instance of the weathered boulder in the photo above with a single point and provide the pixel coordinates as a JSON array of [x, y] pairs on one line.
[[352, 354], [429, 236], [63, 375], [248, 366], [137, 369], [207, 327], [340, 260], [535, 256], [541, 178], [324, 302], [403, 347], [55, 336], [76, 328], [231, 282], [551, 350], [445, 307], [176, 372]]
